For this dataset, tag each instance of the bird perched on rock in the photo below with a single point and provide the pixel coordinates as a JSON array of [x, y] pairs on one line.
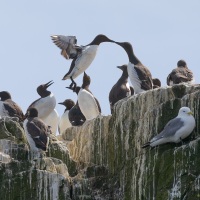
[[88, 104], [139, 75], [36, 131], [175, 130], [121, 89], [64, 122], [46, 106], [83, 56], [181, 74], [156, 83], [9, 108], [76, 117]]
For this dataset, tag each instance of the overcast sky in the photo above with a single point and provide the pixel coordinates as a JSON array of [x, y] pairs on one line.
[[161, 32]]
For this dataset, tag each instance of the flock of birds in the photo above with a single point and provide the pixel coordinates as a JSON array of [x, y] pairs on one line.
[[41, 118]]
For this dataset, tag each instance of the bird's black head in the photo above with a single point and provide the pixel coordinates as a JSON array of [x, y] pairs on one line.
[[42, 89], [181, 63], [99, 39], [68, 103], [122, 67], [86, 80], [4, 95], [156, 82], [31, 112]]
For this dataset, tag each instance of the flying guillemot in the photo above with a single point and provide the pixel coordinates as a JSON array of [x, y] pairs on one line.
[[139, 75], [64, 122], [88, 104], [8, 107], [76, 117], [121, 89], [36, 131], [84, 56], [46, 106], [181, 74]]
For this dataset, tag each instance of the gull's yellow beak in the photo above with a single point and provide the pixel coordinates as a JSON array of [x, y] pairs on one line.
[[190, 113]]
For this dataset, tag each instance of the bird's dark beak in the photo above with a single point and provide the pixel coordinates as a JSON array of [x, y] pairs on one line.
[[120, 67], [61, 103], [49, 83]]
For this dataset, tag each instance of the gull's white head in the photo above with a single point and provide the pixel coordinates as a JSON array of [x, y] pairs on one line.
[[184, 111]]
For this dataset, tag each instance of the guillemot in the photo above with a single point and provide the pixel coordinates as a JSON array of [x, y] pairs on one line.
[[139, 75], [156, 83], [36, 131], [64, 122], [8, 107], [46, 106], [181, 74], [76, 117], [88, 104], [121, 89], [83, 57]]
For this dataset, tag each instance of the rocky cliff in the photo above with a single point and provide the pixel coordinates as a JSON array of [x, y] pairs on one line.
[[103, 159]]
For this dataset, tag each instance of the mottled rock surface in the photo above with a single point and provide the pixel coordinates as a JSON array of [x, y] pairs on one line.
[[103, 159]]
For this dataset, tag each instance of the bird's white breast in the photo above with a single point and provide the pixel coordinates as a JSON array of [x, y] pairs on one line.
[[29, 138], [189, 125], [84, 60], [45, 105], [52, 120], [64, 122], [87, 104], [135, 81]]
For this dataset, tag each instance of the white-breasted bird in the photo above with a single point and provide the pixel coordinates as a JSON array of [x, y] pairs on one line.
[[88, 104], [175, 130], [46, 106]]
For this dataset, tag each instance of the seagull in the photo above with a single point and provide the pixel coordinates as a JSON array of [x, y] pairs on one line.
[[8, 107], [46, 106], [175, 130], [121, 89], [64, 120], [36, 131], [88, 104], [76, 117], [83, 57], [180, 74], [139, 75]]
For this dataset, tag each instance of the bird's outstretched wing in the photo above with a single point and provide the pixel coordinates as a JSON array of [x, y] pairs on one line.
[[67, 44]]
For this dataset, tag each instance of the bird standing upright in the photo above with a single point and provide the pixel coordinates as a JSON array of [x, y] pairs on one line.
[[139, 75], [64, 122], [88, 104], [46, 106], [8, 107], [36, 131], [121, 89], [181, 74]]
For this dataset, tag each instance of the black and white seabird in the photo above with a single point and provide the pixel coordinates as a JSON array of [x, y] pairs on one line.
[[76, 117], [36, 131], [121, 89], [9, 108], [64, 122], [46, 106], [156, 83], [139, 75], [88, 104], [175, 130], [84, 57], [181, 74]]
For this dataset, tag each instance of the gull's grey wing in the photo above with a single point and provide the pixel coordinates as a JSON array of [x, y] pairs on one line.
[[170, 129]]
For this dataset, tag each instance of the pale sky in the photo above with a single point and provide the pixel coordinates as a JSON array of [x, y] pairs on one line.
[[161, 32]]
